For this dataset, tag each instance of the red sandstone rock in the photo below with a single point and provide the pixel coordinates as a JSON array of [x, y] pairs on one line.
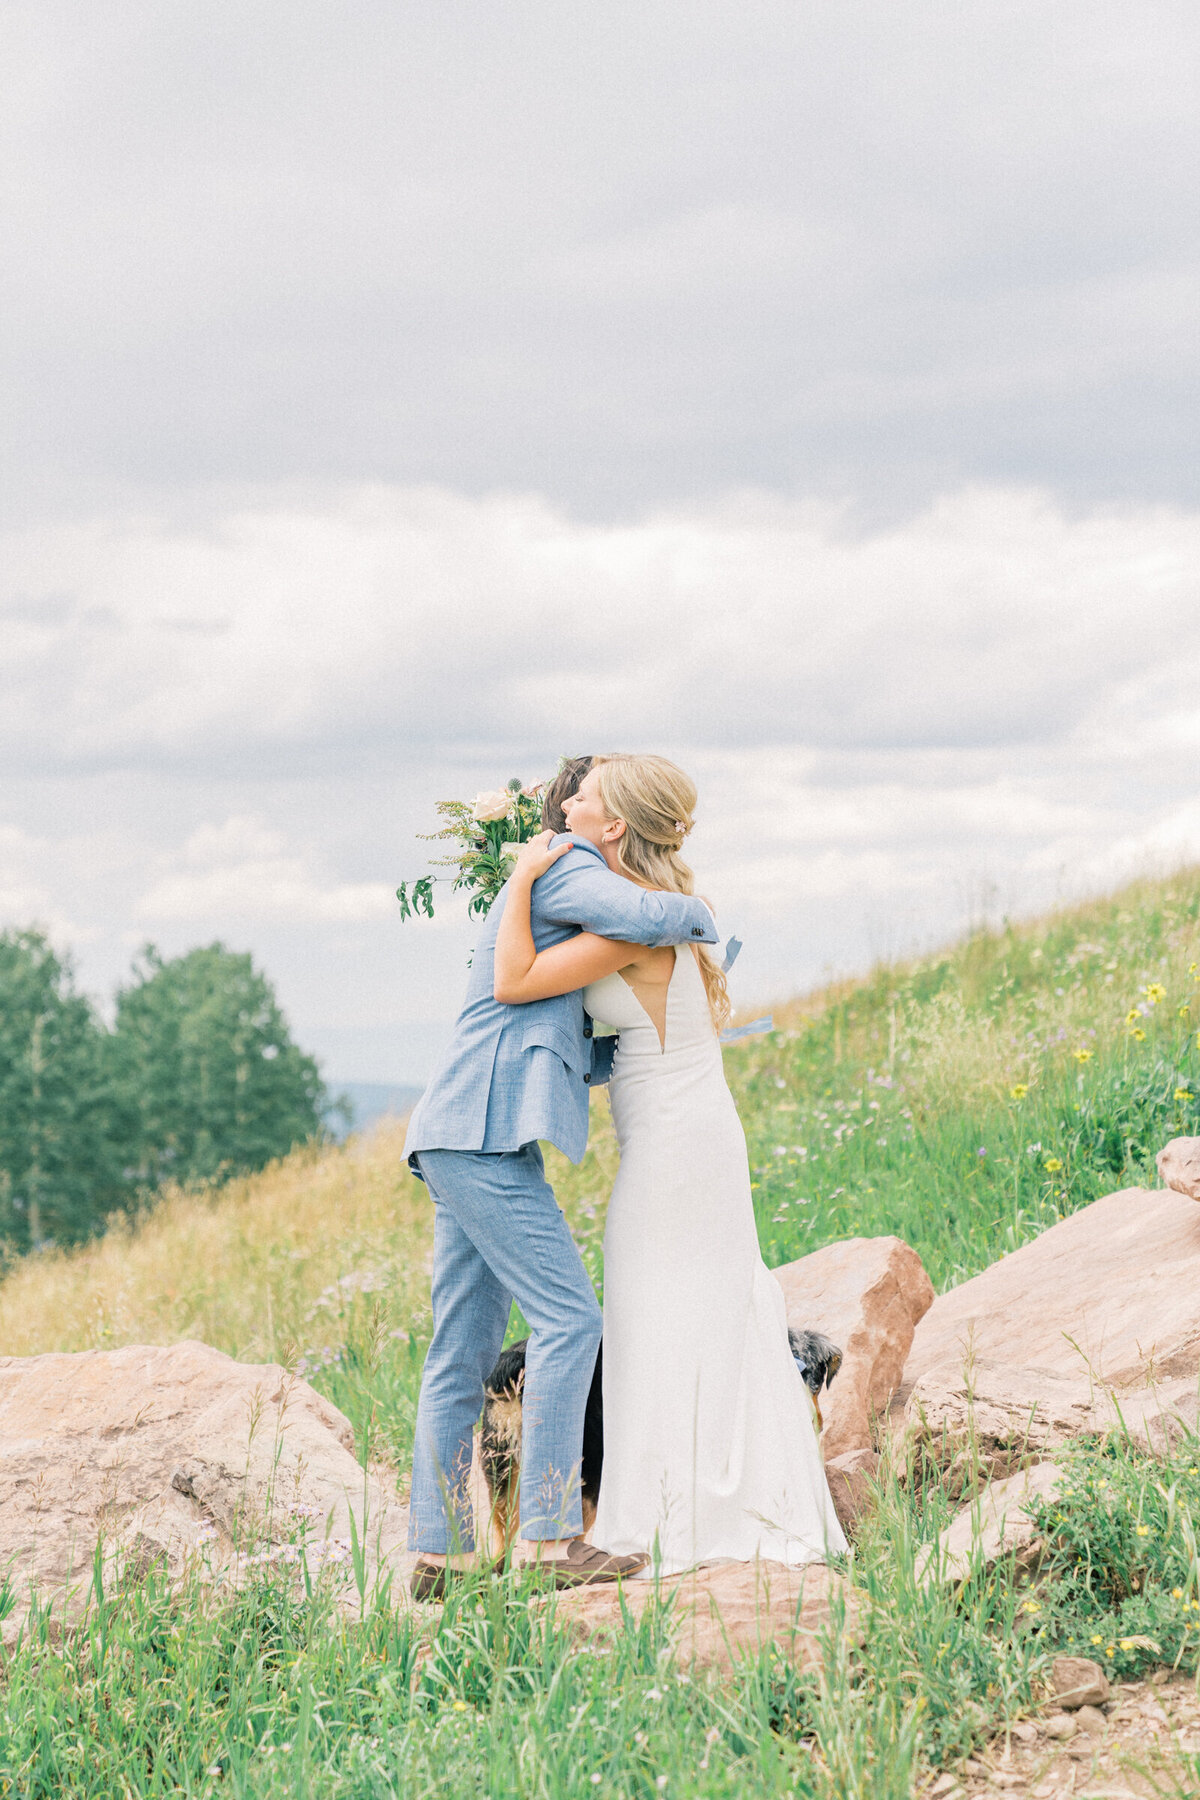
[[730, 1609], [160, 1450], [867, 1294], [1095, 1322], [1179, 1166]]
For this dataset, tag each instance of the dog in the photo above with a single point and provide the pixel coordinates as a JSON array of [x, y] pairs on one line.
[[817, 1359]]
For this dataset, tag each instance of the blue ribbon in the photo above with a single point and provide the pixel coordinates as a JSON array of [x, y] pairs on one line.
[[732, 946], [753, 1029]]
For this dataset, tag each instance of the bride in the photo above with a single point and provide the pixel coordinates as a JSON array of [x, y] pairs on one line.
[[710, 1451]]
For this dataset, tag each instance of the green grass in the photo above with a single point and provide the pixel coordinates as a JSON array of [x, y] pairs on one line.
[[964, 1102]]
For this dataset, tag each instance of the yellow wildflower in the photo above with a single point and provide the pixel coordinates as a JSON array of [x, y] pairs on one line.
[[1132, 1016], [1052, 1165], [1031, 1606], [1184, 1094], [460, 1706], [1177, 1593], [1019, 1090], [1194, 969], [1096, 1638], [1155, 992], [1128, 1644], [1083, 1056], [1110, 1650], [1138, 1034], [1143, 1530], [1185, 1009]]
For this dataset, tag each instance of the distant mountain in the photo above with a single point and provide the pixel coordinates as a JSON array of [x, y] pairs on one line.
[[367, 1102]]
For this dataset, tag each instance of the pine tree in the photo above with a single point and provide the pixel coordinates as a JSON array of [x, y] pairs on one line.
[[61, 1170], [208, 1069]]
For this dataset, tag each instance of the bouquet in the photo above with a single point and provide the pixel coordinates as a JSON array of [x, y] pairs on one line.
[[486, 835]]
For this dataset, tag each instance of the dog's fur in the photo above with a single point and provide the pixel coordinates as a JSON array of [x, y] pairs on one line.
[[818, 1361], [500, 1433]]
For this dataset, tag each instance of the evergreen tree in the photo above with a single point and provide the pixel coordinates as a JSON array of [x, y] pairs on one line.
[[61, 1170], [208, 1069]]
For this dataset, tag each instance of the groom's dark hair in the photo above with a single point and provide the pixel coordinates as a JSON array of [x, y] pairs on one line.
[[565, 783]]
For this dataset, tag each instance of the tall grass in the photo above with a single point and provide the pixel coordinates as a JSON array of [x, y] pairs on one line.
[[964, 1101]]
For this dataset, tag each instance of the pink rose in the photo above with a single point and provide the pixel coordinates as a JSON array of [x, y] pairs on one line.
[[494, 804]]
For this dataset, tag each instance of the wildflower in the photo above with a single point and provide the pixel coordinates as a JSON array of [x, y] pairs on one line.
[[597, 1778], [460, 1706], [1177, 1593], [1182, 1093], [1110, 1650], [1143, 1530], [653, 1694], [1132, 1016], [1138, 1035], [1155, 992], [1096, 1638], [1193, 968], [1185, 1009], [1031, 1606], [1128, 1644], [1083, 1056], [1019, 1090], [1052, 1165], [982, 1150]]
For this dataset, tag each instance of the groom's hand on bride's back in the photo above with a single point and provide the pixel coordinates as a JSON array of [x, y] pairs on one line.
[[538, 855]]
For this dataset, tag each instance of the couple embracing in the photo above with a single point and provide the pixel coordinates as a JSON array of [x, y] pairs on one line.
[[710, 1450]]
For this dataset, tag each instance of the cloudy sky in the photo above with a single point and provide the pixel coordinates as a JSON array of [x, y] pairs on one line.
[[399, 395]]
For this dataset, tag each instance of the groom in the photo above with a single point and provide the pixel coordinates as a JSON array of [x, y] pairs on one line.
[[511, 1076]]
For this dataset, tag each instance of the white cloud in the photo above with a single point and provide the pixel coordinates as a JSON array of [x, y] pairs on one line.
[[235, 726], [620, 254], [241, 870], [375, 621]]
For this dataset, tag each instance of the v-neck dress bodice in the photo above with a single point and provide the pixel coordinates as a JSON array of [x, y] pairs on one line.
[[710, 1451]]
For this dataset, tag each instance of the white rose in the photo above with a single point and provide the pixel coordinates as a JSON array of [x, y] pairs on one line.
[[494, 804]]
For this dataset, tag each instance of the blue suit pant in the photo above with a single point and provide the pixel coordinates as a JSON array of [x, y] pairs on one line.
[[499, 1235]]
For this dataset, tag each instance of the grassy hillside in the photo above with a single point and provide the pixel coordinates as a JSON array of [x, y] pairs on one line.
[[964, 1101]]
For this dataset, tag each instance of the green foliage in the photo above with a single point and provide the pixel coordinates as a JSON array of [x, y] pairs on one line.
[[482, 861], [212, 1080], [1121, 1579], [60, 1167], [967, 1102]]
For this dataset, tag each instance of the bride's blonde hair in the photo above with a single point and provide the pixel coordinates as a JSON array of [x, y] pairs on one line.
[[656, 801]]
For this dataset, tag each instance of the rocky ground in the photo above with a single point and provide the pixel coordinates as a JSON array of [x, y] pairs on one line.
[[1142, 1741]]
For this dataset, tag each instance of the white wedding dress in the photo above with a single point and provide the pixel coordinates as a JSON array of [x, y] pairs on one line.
[[710, 1449]]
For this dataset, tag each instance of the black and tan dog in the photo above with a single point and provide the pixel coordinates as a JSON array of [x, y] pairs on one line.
[[500, 1433]]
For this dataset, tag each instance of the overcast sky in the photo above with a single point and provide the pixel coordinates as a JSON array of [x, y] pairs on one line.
[[397, 396]]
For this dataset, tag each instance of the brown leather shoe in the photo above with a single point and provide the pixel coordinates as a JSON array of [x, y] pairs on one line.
[[588, 1567], [429, 1581]]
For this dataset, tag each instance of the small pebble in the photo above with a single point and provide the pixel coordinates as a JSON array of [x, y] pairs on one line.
[[1025, 1732], [1092, 1720], [1058, 1725]]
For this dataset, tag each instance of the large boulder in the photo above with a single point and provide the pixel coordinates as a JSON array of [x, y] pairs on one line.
[[867, 1294], [1093, 1323], [728, 1610], [173, 1455], [1179, 1166]]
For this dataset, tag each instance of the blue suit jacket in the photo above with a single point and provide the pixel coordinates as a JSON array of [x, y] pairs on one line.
[[513, 1074]]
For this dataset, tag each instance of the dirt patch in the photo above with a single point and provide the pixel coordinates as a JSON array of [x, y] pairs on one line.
[[1145, 1741]]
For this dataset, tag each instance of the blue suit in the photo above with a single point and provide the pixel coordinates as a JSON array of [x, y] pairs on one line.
[[513, 1075]]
